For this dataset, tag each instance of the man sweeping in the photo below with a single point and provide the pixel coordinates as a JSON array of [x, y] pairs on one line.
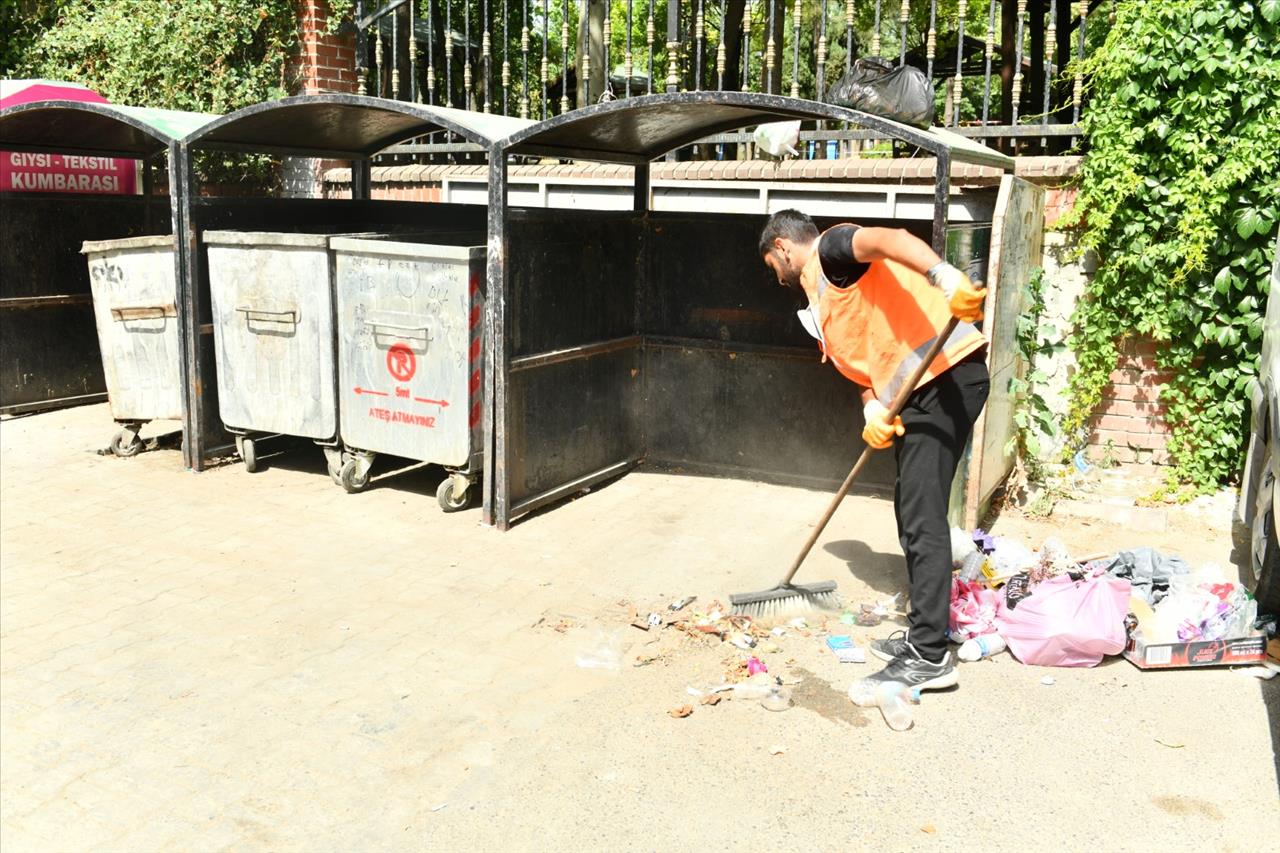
[[876, 299]]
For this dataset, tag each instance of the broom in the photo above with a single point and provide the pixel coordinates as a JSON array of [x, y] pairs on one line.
[[787, 597]]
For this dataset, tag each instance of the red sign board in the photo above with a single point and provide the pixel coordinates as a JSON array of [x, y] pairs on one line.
[[60, 173], [64, 173]]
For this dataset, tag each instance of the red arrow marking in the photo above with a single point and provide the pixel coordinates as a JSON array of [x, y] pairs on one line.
[[360, 390], [441, 403]]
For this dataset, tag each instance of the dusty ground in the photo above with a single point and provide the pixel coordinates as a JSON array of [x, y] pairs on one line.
[[227, 660]]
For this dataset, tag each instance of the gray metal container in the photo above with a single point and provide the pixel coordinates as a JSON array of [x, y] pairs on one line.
[[410, 355], [273, 332], [135, 297]]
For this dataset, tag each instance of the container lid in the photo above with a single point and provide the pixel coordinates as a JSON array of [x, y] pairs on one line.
[[149, 242], [265, 238], [417, 251]]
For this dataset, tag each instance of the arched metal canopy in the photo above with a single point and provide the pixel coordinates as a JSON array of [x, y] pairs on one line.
[[346, 127], [106, 130], [640, 129]]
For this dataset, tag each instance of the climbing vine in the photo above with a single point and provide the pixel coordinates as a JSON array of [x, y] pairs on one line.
[[1180, 197]]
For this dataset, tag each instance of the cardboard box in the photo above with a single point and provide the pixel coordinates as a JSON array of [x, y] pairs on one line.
[[1243, 650]]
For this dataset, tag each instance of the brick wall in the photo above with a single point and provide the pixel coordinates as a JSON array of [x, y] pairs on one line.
[[326, 63], [1130, 415]]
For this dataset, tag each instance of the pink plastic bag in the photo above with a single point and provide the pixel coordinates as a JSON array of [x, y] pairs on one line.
[[973, 610], [1067, 623]]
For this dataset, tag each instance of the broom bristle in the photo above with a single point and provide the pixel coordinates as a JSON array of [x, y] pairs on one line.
[[786, 600]]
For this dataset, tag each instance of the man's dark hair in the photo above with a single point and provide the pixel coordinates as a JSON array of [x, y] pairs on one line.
[[790, 225]]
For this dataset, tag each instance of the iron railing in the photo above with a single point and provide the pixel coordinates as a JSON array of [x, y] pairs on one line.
[[1008, 71]]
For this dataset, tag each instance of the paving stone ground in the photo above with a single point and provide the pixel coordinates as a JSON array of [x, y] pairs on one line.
[[263, 662]]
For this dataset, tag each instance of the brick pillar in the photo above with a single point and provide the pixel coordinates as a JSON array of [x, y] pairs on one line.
[[1131, 416], [326, 63]]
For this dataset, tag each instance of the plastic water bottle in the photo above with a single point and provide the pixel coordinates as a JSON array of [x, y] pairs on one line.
[[978, 648], [895, 700], [971, 568]]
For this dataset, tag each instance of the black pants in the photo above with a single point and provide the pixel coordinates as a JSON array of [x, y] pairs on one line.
[[938, 419]]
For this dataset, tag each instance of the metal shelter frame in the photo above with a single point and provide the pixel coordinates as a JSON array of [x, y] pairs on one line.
[[111, 130], [636, 131]]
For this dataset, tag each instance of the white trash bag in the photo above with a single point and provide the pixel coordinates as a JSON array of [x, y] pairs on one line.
[[778, 138]]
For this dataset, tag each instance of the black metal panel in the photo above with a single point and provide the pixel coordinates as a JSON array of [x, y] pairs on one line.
[[573, 277], [333, 215], [570, 419], [705, 279], [48, 343], [757, 413]]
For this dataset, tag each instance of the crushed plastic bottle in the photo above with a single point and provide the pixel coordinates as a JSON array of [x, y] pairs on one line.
[[604, 651], [895, 700], [778, 698], [978, 648], [971, 567]]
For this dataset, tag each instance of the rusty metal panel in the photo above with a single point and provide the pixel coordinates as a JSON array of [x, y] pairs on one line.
[[1017, 237]]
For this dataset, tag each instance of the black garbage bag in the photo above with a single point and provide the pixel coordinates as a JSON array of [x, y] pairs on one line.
[[874, 86]]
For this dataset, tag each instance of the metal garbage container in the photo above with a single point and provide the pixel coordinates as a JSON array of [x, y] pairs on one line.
[[272, 298], [135, 307], [410, 357]]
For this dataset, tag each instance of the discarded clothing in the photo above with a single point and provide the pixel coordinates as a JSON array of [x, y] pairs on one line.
[[1148, 570]]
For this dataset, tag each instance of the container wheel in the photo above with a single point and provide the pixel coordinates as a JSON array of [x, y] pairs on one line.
[[450, 498], [126, 443], [249, 454], [351, 477], [335, 472]]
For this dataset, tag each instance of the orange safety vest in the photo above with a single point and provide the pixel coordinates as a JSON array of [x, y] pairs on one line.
[[877, 330]]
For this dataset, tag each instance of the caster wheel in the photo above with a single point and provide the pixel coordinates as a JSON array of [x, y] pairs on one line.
[[335, 474], [249, 454], [125, 444], [450, 498], [350, 477]]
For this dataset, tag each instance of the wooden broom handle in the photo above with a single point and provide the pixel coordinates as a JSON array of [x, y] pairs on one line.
[[900, 400]]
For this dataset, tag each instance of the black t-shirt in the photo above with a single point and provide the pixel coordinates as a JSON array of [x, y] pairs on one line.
[[835, 253]]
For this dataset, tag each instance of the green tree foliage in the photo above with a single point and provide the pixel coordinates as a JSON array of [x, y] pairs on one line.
[[210, 56], [1180, 197]]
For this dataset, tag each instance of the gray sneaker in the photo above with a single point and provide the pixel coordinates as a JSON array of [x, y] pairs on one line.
[[890, 647], [916, 672]]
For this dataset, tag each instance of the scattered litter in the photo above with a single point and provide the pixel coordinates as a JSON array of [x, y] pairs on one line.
[[645, 660], [712, 699], [603, 652], [752, 689], [756, 666], [779, 631], [847, 618], [681, 603], [1265, 672], [929, 829], [798, 622], [867, 616], [777, 699], [695, 692], [562, 626], [743, 641], [846, 651], [439, 807], [1048, 681], [655, 621], [681, 712], [776, 750], [1170, 745]]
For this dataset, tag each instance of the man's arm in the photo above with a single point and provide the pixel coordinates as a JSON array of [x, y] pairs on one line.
[[894, 244]]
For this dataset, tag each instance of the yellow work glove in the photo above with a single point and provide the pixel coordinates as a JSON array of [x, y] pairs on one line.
[[963, 297], [879, 432]]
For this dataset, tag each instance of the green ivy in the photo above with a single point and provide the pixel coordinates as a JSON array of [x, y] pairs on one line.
[[1033, 418], [1179, 195]]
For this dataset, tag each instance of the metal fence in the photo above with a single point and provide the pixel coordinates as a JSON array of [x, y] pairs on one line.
[[1002, 70]]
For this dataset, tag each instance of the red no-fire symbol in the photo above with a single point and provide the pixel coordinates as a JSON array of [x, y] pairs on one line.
[[400, 362]]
